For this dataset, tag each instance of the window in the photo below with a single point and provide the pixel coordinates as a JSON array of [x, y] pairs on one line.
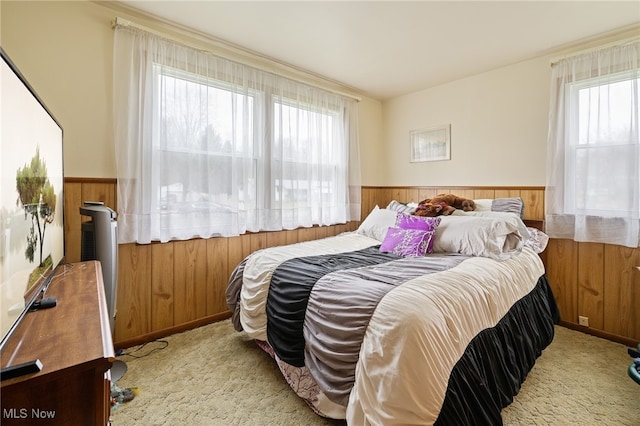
[[308, 151], [209, 147], [593, 153], [204, 132], [603, 120]]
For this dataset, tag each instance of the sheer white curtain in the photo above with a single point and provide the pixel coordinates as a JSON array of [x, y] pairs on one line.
[[210, 147], [593, 152]]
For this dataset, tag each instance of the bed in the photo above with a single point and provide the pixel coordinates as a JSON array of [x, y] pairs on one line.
[[406, 321]]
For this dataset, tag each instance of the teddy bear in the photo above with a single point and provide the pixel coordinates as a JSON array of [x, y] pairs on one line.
[[453, 201], [443, 205], [433, 210]]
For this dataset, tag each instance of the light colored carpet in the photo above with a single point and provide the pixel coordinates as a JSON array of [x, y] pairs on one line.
[[215, 376]]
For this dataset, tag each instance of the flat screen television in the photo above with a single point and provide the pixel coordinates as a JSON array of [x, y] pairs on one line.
[[31, 197]]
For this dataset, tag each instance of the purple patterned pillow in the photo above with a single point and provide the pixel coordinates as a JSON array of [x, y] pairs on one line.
[[409, 221], [407, 242]]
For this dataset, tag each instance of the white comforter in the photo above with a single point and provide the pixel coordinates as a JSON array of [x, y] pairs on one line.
[[260, 267], [421, 329], [417, 333]]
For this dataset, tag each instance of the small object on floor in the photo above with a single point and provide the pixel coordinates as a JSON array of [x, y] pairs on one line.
[[118, 368], [634, 369], [120, 395]]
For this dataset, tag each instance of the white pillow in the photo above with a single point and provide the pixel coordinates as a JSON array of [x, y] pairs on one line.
[[495, 237], [400, 207], [512, 217], [377, 223], [483, 205]]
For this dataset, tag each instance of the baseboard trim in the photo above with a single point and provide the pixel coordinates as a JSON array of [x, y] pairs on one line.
[[599, 333], [144, 338]]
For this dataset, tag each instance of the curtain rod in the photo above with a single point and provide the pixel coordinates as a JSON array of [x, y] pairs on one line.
[[311, 79], [621, 42]]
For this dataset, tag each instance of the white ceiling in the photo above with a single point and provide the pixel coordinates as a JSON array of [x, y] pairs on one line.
[[389, 48]]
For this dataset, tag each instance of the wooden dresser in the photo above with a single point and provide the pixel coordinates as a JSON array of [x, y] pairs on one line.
[[73, 341]]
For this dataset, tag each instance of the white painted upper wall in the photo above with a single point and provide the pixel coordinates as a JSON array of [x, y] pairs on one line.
[[499, 124], [65, 51], [498, 119], [498, 129]]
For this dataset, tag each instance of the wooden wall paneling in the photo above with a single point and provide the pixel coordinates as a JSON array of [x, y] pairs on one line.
[[291, 236], [464, 193], [399, 194], [217, 275], [258, 241], [622, 291], [374, 198], [365, 212], [275, 239], [77, 191], [162, 277], [371, 199], [100, 191], [72, 221], [635, 317], [534, 202], [532, 197], [190, 282], [366, 202], [347, 227], [562, 268], [591, 283], [413, 195], [634, 296], [146, 293], [323, 231], [482, 194], [427, 192], [239, 247], [306, 234], [133, 317], [340, 228], [507, 193], [448, 190], [387, 195]]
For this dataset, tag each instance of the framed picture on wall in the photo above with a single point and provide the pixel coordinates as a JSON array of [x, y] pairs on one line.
[[431, 144]]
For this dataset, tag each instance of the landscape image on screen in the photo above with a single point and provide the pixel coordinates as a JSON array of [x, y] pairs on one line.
[[31, 197]]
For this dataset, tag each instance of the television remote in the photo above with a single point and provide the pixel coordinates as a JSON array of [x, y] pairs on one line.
[[20, 369]]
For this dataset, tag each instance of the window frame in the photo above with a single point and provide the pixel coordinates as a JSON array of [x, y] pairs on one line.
[[572, 137], [265, 193], [160, 71]]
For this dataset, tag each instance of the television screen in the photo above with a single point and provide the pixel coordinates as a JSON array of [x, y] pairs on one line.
[[31, 197]]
